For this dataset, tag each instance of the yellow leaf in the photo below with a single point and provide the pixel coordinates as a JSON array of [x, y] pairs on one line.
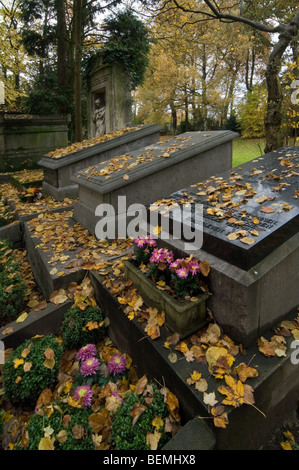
[[45, 444], [49, 363], [17, 362], [61, 436], [157, 230], [234, 391], [247, 240], [22, 317], [158, 423], [286, 446], [233, 236]]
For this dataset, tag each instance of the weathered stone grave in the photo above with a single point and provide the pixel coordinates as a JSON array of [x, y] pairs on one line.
[[152, 172], [24, 139], [251, 240], [60, 166]]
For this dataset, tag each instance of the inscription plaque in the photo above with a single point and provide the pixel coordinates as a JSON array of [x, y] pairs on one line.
[[249, 211]]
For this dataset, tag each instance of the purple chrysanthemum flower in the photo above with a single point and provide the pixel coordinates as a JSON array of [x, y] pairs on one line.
[[160, 255], [151, 242], [117, 364], [193, 267], [169, 257], [182, 272], [140, 242], [90, 366], [87, 351], [84, 393], [175, 264]]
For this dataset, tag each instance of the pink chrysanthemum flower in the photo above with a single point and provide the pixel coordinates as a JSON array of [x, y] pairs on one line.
[[193, 267], [169, 257], [117, 364], [175, 264], [156, 256], [90, 366], [160, 255], [84, 394], [87, 351], [140, 242], [151, 242], [182, 272]]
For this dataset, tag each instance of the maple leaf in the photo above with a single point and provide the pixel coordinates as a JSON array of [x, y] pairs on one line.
[[234, 391], [210, 399]]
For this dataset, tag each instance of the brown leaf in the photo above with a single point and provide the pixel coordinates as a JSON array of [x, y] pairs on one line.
[[78, 431], [204, 267], [267, 210], [244, 372], [49, 353], [136, 412], [44, 399], [152, 439], [141, 385], [61, 436]]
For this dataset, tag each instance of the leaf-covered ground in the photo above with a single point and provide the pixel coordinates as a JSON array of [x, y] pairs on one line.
[[71, 248]]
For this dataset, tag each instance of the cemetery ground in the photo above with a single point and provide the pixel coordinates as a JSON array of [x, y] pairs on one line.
[[78, 271]]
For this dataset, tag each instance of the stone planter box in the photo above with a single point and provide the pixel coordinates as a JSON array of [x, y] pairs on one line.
[[184, 318], [58, 172]]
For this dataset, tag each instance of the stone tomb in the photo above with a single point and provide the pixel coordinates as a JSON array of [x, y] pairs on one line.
[[153, 172], [60, 166], [251, 240]]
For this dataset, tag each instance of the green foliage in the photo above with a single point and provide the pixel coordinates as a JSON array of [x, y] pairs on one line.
[[46, 97], [232, 124], [52, 419], [128, 43], [252, 112], [129, 437], [12, 287], [24, 383], [76, 332]]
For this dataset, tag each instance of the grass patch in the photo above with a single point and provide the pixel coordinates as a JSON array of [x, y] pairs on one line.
[[247, 149]]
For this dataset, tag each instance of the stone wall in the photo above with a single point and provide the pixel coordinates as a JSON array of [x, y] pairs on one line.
[[25, 139]]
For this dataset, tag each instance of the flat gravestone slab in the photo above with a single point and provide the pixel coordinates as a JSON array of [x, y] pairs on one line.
[[249, 211], [151, 172], [59, 166]]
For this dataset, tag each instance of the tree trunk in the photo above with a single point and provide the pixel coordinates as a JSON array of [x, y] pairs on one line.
[[273, 118], [77, 68], [204, 89], [62, 47]]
